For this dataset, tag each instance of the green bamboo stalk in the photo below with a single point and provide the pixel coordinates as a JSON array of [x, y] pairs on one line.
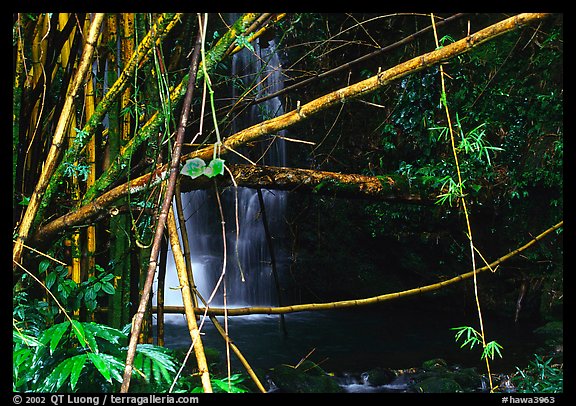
[[119, 226]]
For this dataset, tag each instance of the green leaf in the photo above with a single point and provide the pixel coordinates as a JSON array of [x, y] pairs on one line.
[[101, 365], [77, 366], [193, 168], [109, 334], [116, 366], [108, 288], [89, 336], [491, 349], [50, 279], [43, 266], [79, 332], [56, 335]]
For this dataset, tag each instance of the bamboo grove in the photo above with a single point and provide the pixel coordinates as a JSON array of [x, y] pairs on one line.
[[107, 108]]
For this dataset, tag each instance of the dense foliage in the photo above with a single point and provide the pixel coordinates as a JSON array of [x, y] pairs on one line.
[[73, 298]]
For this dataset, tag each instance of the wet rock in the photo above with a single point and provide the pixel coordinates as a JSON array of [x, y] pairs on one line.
[[436, 376], [468, 379], [380, 376], [437, 385], [307, 378], [434, 364]]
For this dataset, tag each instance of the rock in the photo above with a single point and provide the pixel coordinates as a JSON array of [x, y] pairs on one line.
[[437, 385], [380, 376], [468, 379], [432, 364], [307, 378]]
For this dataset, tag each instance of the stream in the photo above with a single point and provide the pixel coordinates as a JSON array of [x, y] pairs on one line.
[[351, 341]]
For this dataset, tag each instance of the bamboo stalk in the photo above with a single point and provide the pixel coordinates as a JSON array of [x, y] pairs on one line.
[[126, 52], [91, 160], [188, 302], [59, 134], [166, 206], [16, 107], [185, 241], [371, 300], [160, 295]]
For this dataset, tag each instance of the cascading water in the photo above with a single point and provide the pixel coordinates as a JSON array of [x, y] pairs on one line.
[[249, 276]]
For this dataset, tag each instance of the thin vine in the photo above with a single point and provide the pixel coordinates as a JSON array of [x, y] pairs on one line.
[[444, 102]]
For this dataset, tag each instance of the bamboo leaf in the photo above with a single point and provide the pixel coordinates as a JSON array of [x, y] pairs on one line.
[[101, 365], [56, 335], [79, 332], [77, 366]]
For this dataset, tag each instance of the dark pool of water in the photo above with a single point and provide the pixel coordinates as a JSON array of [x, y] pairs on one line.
[[356, 340]]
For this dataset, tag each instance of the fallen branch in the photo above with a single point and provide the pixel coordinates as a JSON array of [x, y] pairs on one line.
[[368, 301], [391, 188]]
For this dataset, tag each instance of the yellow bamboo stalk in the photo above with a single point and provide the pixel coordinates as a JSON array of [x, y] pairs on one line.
[[74, 191], [18, 73], [65, 51], [185, 241], [89, 105], [127, 49], [39, 48], [258, 33], [188, 303], [58, 138], [39, 52]]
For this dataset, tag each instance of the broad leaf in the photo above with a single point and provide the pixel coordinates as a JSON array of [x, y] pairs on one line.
[[79, 332], [58, 375]]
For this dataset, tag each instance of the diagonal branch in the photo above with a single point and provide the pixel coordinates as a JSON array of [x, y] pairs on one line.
[[371, 300], [166, 205], [371, 84]]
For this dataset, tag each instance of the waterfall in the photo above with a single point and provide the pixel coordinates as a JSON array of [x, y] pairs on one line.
[[248, 253]]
